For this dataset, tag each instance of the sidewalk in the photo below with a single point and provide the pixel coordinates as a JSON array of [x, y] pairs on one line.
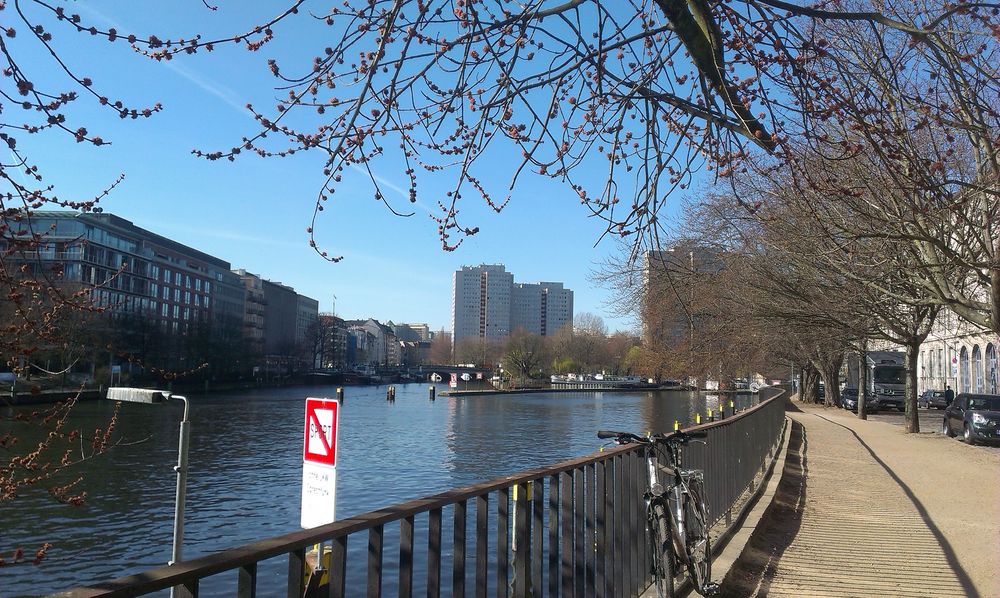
[[863, 509]]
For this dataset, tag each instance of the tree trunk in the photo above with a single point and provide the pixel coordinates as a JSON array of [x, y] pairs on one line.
[[863, 380], [912, 417], [810, 384]]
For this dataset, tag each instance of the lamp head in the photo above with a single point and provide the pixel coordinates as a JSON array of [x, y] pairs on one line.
[[137, 395]]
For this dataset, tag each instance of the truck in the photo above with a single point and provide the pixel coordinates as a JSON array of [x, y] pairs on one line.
[[885, 379]]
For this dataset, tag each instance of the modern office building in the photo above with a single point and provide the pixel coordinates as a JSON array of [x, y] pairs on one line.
[[132, 271], [487, 303]]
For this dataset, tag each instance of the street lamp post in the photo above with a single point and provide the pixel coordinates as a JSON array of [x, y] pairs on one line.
[[144, 395]]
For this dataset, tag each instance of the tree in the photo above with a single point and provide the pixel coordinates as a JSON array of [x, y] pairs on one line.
[[441, 348], [523, 354], [645, 94]]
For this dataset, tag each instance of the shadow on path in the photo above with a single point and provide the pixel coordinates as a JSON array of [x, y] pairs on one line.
[[756, 566], [949, 552]]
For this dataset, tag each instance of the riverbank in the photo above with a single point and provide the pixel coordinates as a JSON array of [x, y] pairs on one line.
[[25, 395], [519, 391]]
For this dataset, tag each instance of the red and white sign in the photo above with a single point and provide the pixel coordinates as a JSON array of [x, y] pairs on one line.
[[319, 462], [454, 381], [321, 432]]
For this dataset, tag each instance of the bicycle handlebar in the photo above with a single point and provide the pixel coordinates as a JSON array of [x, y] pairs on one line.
[[678, 437]]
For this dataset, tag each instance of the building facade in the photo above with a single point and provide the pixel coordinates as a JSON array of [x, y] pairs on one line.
[[958, 355], [253, 314], [481, 302], [133, 271], [670, 311], [541, 308], [487, 304], [373, 343]]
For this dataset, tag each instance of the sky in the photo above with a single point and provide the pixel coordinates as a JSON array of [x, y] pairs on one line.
[[254, 212]]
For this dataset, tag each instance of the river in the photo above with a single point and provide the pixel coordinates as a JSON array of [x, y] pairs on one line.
[[246, 464]]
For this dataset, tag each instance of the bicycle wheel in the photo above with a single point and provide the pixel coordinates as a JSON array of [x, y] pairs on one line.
[[698, 544], [663, 552]]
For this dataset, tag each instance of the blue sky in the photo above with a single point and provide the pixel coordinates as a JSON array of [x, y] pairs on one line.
[[254, 212]]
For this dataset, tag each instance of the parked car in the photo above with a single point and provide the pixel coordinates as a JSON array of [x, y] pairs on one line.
[[975, 416], [849, 401], [932, 398]]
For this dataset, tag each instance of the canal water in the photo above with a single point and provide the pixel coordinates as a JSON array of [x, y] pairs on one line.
[[246, 462]]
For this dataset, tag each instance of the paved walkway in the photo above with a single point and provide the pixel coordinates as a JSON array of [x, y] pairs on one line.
[[863, 509]]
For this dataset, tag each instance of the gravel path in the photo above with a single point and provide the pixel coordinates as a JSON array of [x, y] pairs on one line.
[[863, 509]]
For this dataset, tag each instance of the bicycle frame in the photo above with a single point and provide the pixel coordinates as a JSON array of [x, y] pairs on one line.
[[657, 495]]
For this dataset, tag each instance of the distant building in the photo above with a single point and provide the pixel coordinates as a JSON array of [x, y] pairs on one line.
[[486, 303], [373, 343], [541, 308], [481, 302], [959, 355], [412, 332], [253, 315], [414, 352], [670, 280], [279, 322], [332, 338], [133, 271], [281, 311], [307, 340]]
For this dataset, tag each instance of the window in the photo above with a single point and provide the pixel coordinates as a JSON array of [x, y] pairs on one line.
[[177, 278], [208, 286], [197, 284], [187, 281], [197, 300], [166, 310], [166, 275], [177, 312], [177, 295], [187, 296]]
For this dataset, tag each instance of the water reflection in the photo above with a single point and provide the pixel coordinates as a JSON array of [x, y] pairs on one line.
[[245, 468]]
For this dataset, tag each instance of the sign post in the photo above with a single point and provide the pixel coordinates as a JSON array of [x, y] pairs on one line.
[[319, 462]]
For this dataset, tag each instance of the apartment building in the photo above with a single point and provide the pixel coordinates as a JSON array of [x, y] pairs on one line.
[[487, 303]]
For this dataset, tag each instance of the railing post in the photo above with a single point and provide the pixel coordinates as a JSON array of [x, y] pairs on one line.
[[522, 541], [296, 571]]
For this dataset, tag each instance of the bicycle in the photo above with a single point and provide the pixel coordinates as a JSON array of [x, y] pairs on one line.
[[676, 515]]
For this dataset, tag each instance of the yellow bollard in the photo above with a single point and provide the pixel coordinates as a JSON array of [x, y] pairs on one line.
[[710, 418], [677, 425], [697, 419]]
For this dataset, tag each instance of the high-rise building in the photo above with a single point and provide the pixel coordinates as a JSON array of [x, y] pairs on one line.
[[487, 303], [541, 308], [481, 302], [670, 312]]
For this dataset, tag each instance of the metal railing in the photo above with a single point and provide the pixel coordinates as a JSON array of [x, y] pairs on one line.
[[572, 529]]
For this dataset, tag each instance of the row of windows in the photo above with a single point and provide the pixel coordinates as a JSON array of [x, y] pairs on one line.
[[185, 280]]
